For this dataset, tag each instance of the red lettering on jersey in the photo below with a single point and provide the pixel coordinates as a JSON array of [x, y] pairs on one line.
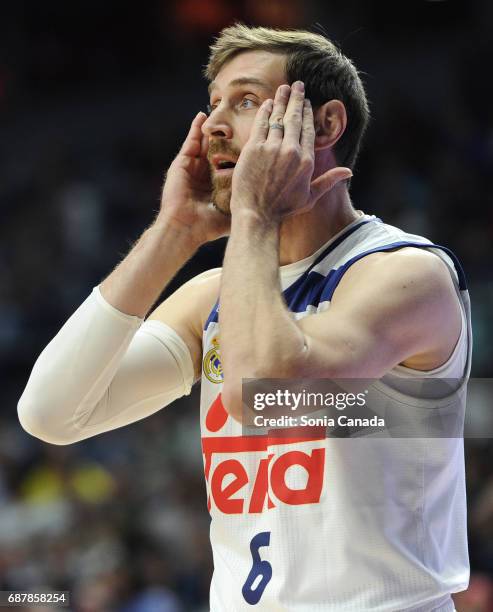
[[260, 488], [313, 464], [216, 415], [263, 485], [222, 496]]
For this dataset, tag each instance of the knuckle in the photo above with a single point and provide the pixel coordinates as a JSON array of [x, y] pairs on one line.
[[306, 162], [295, 115], [271, 147], [292, 150]]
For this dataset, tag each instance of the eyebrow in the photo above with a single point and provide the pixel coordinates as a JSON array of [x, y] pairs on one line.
[[243, 81]]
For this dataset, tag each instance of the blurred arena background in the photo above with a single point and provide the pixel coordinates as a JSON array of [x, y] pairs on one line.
[[95, 99]]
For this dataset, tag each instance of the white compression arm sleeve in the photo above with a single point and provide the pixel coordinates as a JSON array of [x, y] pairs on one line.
[[104, 369]]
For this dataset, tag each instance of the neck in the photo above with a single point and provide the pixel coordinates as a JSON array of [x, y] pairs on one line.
[[302, 235]]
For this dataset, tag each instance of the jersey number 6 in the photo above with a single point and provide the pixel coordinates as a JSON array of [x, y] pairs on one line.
[[253, 588]]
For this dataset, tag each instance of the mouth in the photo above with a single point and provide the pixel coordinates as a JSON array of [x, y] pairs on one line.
[[223, 165]]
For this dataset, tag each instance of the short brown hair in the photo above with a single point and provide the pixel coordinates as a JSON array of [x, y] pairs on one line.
[[311, 58]]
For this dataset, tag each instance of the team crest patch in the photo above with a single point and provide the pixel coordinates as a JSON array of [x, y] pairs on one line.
[[213, 368]]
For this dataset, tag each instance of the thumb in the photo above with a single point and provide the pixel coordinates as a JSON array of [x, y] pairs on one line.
[[327, 181]]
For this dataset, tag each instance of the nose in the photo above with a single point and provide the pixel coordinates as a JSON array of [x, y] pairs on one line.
[[217, 126]]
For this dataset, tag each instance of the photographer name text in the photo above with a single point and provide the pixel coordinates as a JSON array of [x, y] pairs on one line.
[[325, 421]]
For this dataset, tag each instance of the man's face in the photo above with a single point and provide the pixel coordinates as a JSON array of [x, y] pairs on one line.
[[236, 93]]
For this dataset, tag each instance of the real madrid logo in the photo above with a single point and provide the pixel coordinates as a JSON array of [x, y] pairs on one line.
[[213, 368]]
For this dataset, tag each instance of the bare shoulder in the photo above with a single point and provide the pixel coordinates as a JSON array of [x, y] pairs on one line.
[[407, 297], [407, 271], [186, 310]]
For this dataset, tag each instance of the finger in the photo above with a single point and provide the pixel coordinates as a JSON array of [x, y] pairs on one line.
[[294, 114], [277, 115], [308, 129], [201, 162], [193, 142], [328, 181], [204, 148], [260, 126]]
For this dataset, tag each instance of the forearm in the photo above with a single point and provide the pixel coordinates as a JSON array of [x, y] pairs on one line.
[[75, 369], [101, 372], [258, 334], [137, 282]]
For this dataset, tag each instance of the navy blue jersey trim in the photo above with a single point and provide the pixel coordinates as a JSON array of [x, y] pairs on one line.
[[336, 243], [320, 288], [213, 316], [291, 292], [334, 277]]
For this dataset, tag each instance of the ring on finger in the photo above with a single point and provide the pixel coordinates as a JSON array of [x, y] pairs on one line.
[[276, 125]]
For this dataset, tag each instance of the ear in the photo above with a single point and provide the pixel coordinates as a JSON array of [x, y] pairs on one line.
[[330, 123]]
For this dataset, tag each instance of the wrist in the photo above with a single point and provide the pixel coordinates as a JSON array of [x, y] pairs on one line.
[[175, 236], [254, 217]]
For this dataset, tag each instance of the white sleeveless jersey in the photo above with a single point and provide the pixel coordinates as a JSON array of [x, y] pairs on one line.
[[334, 524]]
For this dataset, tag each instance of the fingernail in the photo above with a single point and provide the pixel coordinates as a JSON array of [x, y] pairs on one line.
[[299, 85], [308, 104]]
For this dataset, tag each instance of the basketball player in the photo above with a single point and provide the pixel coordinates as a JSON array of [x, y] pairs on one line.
[[310, 287]]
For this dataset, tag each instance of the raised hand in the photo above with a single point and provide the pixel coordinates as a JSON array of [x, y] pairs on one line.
[[186, 197], [273, 175]]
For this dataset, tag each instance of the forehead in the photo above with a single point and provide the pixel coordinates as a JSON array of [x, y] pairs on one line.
[[259, 65]]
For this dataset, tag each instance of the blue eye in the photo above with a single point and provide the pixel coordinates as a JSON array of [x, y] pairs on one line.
[[245, 101], [245, 104]]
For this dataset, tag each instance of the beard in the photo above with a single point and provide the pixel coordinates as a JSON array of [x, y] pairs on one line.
[[221, 193]]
